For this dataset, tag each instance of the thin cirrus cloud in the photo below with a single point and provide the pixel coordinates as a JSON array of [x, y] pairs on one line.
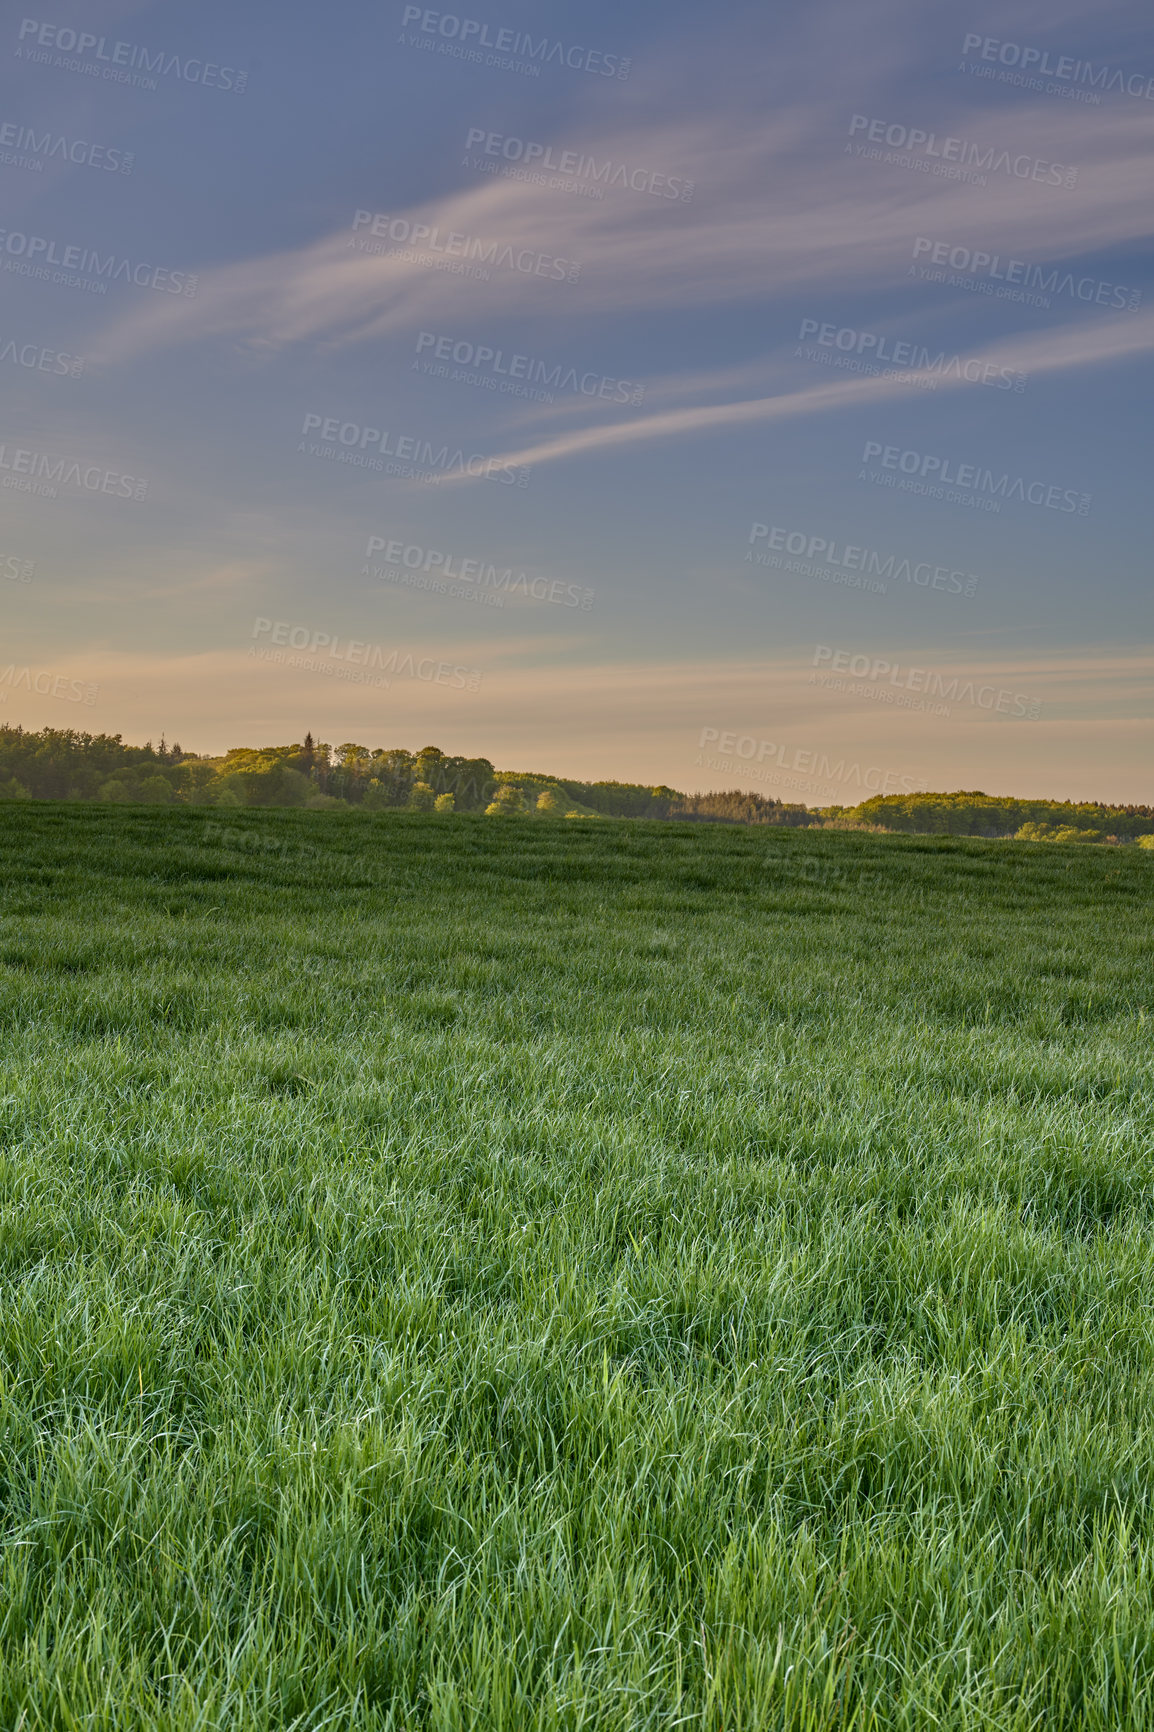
[[778, 207], [1049, 351]]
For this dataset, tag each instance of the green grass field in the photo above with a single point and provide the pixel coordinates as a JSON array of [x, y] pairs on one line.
[[478, 1273]]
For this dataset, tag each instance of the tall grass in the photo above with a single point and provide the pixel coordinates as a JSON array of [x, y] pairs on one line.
[[480, 1273]]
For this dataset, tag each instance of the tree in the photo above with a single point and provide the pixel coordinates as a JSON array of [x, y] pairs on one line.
[[197, 776], [294, 789], [268, 776], [507, 802], [469, 780], [353, 771], [393, 773], [228, 791], [430, 767], [421, 798], [444, 803], [351, 756]]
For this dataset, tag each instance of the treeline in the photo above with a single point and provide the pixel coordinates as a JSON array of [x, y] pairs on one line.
[[995, 815], [60, 764], [735, 807]]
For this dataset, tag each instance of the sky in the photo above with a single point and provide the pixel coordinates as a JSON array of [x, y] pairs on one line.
[[748, 399]]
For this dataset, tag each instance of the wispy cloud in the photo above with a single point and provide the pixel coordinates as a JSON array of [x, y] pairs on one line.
[[779, 207], [1043, 352]]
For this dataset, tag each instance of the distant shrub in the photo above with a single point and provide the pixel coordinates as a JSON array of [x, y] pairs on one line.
[[507, 801], [1034, 832]]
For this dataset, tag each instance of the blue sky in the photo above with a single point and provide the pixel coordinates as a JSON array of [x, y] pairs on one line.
[[783, 379]]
